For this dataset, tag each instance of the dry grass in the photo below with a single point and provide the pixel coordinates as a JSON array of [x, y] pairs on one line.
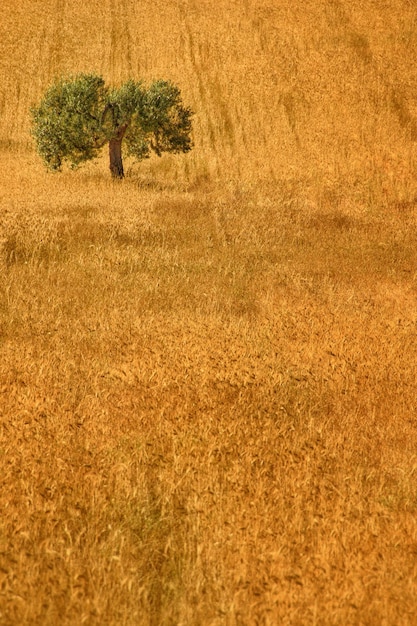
[[208, 373]]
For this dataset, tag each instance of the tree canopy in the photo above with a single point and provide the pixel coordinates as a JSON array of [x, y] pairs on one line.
[[77, 116]]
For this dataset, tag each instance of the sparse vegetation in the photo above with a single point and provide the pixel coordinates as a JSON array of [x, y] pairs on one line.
[[207, 374]]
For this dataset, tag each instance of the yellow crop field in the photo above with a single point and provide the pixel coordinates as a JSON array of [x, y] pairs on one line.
[[208, 373]]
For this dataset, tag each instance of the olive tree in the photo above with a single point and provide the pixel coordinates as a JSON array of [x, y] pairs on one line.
[[77, 116]]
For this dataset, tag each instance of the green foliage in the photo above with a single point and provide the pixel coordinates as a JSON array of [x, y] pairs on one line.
[[167, 121], [123, 107], [67, 125], [78, 115]]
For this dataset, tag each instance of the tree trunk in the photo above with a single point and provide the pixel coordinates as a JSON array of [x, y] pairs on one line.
[[115, 154]]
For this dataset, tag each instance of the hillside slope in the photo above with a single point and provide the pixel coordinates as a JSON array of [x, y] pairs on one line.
[[208, 370], [283, 89]]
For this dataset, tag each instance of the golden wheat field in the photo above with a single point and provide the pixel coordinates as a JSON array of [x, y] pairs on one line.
[[208, 371]]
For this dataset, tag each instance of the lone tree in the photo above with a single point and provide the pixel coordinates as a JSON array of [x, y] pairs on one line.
[[79, 115]]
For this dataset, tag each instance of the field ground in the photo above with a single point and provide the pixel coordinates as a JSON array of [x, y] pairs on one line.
[[208, 371]]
